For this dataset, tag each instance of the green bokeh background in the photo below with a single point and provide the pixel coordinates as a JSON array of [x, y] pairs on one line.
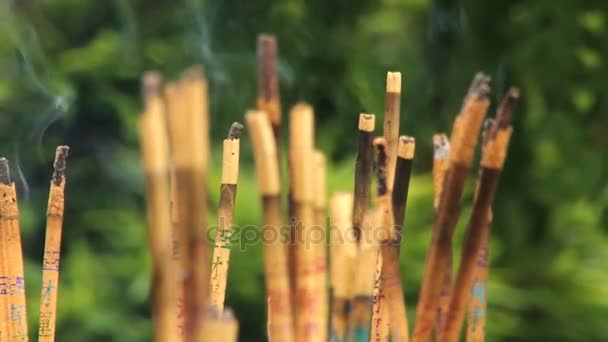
[[69, 74]]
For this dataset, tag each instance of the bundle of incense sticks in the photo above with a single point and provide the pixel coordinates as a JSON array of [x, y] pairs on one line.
[[361, 296], [13, 316]]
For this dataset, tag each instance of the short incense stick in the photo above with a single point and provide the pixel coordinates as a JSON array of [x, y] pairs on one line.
[[363, 170], [360, 319], [342, 256], [154, 148], [280, 322], [52, 248], [308, 301], [493, 158], [392, 110], [390, 280], [441, 151], [187, 133], [319, 236], [9, 224], [463, 140], [221, 327], [221, 250], [401, 185], [268, 82]]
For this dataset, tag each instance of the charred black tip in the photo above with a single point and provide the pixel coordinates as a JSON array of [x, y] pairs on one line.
[[60, 164], [235, 130], [505, 110], [381, 164], [5, 172]]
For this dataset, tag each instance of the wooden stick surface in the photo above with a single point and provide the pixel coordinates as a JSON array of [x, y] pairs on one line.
[[403, 170], [343, 253], [220, 261], [221, 327], [154, 147], [463, 140], [492, 162], [9, 223], [278, 291], [52, 249]]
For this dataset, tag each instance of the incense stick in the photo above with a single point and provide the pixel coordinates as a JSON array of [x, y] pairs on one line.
[[268, 83], [401, 186], [319, 238], [390, 282], [360, 318], [175, 109], [151, 86], [221, 250], [187, 133], [392, 110], [309, 274], [463, 141], [154, 148], [343, 252], [5, 280], [9, 223], [492, 162], [363, 170], [441, 147], [280, 321], [52, 248], [476, 317]]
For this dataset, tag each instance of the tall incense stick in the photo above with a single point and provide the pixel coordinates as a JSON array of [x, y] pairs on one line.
[[343, 252], [390, 281], [221, 250], [154, 147], [52, 248], [280, 321], [5, 280], [441, 151], [319, 237], [392, 111], [309, 307], [9, 223], [189, 152], [493, 158], [463, 140], [363, 169]]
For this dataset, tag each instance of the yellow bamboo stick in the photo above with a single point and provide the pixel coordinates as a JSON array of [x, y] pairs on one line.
[[52, 249]]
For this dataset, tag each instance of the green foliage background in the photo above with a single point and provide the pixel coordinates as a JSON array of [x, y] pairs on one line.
[[69, 74]]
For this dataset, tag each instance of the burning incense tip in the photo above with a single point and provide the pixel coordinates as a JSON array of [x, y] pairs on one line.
[[393, 82], [503, 117], [367, 122], [151, 84], [5, 172], [441, 146], [479, 79], [483, 91], [407, 145], [235, 130], [60, 164], [381, 161], [194, 73]]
